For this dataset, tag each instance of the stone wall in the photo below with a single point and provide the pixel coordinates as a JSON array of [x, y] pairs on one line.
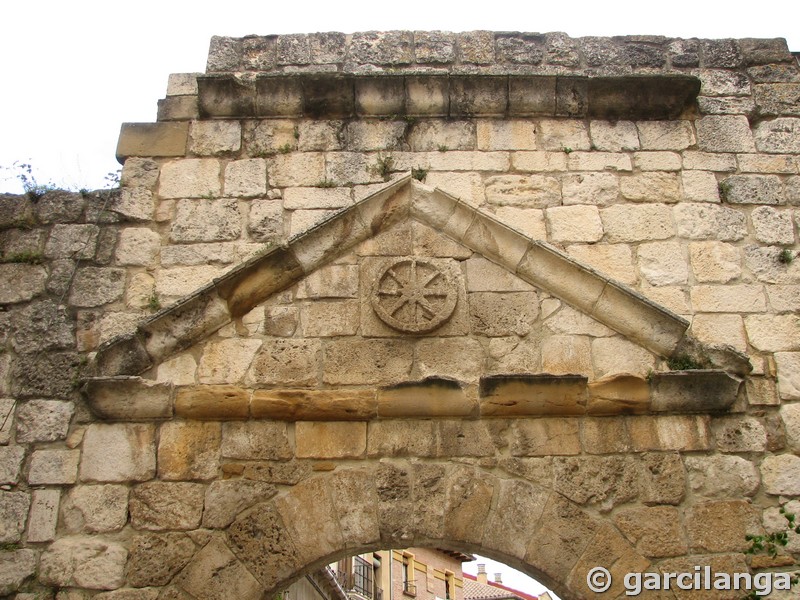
[[204, 372]]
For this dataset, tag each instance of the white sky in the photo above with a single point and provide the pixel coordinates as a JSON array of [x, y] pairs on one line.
[[75, 71], [510, 577]]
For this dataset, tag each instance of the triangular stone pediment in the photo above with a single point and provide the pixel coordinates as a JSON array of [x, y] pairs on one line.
[[487, 302]]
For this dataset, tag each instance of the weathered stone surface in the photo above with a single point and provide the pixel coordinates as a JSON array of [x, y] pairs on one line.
[[206, 221], [212, 402], [662, 263], [129, 398], [226, 361], [651, 187], [790, 415], [11, 458], [255, 441], [730, 298], [287, 361], [496, 314], [367, 361], [72, 241], [718, 133], [460, 359], [299, 405], [532, 191], [215, 572], [134, 203], [669, 433], [53, 467], [115, 453], [208, 138], [600, 189], [43, 516], [562, 355], [226, 499], [614, 137], [21, 282], [574, 223], [137, 246], [602, 481], [656, 530], [665, 135], [190, 178], [752, 189], [773, 333], [715, 261], [781, 474], [721, 526], [330, 439], [722, 476], [157, 505], [772, 226], [429, 135], [189, 450], [84, 562], [13, 515], [95, 286], [616, 355], [15, 567], [740, 434], [661, 478], [43, 420], [468, 499], [95, 508], [614, 260], [246, 178], [778, 136], [720, 330], [626, 223], [613, 395], [7, 406], [155, 558], [705, 221], [543, 437]]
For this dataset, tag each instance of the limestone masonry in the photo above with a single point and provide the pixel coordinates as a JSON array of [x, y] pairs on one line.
[[520, 295]]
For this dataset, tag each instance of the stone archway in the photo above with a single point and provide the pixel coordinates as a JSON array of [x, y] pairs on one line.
[[408, 503]]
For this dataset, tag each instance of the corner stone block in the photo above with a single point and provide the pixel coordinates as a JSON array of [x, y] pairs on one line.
[[118, 453], [331, 439], [152, 139]]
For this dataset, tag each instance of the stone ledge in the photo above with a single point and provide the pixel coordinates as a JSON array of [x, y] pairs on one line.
[[337, 96], [502, 396]]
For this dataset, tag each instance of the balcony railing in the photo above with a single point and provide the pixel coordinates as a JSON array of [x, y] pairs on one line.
[[410, 588], [357, 577]]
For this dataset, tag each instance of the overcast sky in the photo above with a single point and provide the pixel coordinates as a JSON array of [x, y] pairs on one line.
[[74, 71]]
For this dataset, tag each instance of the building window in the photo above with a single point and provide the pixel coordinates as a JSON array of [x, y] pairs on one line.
[[409, 587], [449, 585]]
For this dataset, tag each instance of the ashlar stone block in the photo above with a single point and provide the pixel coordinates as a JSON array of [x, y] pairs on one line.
[[788, 365], [158, 505], [118, 452], [722, 476], [137, 246], [636, 223], [189, 450], [95, 508], [209, 138], [53, 467], [614, 137], [246, 178], [84, 562], [13, 515], [190, 178], [43, 420], [665, 135], [563, 134], [773, 226], [578, 223], [227, 361], [600, 189], [781, 474], [662, 263], [716, 262], [206, 220], [43, 516], [724, 133], [329, 440], [700, 186], [253, 440]]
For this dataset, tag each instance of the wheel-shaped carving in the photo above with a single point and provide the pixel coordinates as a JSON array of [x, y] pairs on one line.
[[414, 295]]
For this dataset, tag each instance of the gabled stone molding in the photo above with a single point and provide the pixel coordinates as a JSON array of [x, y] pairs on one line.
[[239, 291]]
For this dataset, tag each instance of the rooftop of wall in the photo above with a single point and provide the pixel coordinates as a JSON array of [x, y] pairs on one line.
[[486, 52]]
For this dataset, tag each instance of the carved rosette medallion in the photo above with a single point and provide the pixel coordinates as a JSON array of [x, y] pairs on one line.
[[414, 295]]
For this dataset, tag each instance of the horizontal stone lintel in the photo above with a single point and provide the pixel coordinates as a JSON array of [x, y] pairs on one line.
[[338, 95], [539, 395]]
